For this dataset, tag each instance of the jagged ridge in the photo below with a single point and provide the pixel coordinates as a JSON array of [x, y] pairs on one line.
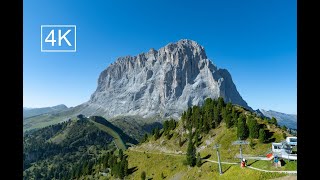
[[161, 83]]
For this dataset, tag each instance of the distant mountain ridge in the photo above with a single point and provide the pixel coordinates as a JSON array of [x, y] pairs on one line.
[[289, 120], [29, 112]]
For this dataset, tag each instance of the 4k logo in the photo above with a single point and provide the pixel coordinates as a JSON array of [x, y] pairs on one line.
[[58, 38]]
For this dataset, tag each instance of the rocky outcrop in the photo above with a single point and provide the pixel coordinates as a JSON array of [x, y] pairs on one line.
[[161, 83]]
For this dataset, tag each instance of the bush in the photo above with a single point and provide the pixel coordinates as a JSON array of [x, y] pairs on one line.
[[284, 135], [262, 136], [252, 144]]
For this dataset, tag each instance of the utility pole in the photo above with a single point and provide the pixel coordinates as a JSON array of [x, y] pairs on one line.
[[240, 142], [217, 146]]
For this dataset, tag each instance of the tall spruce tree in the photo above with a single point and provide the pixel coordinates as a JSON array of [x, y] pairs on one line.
[[262, 136], [274, 121], [191, 153], [208, 115], [216, 116], [253, 127], [242, 128]]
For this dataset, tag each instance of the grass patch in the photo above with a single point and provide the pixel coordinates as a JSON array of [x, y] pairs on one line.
[[113, 133], [268, 165], [172, 166]]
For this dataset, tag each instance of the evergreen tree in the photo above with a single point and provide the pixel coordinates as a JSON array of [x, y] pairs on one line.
[[196, 139], [145, 138], [125, 167], [234, 116], [198, 162], [156, 133], [172, 124], [262, 136], [208, 115], [121, 169], [284, 128], [180, 142], [189, 121], [229, 108], [120, 154], [229, 121], [195, 117], [284, 135], [216, 116], [165, 126], [183, 117], [274, 121], [191, 154], [162, 176], [223, 114], [253, 127], [242, 128]]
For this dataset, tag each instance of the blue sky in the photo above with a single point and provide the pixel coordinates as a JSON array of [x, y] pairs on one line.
[[254, 40]]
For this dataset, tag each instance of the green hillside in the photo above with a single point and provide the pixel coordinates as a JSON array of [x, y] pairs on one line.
[[164, 151], [77, 143], [44, 120], [94, 148]]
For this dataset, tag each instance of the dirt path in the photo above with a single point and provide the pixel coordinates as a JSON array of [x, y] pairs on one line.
[[171, 154]]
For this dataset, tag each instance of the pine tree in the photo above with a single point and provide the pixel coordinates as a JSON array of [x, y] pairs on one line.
[[183, 117], [253, 127], [216, 116], [191, 154], [125, 167], [242, 128], [220, 103], [145, 137], [229, 121], [120, 154], [208, 115], [284, 128], [180, 142], [165, 126], [284, 135], [156, 133], [234, 116], [122, 167], [274, 121], [172, 124], [196, 139], [189, 120], [262, 136], [195, 116]]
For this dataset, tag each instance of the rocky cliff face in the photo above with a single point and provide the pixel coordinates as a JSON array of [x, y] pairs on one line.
[[161, 83]]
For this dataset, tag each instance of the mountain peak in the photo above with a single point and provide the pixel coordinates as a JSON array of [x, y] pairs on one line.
[[185, 47], [162, 82], [188, 42]]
